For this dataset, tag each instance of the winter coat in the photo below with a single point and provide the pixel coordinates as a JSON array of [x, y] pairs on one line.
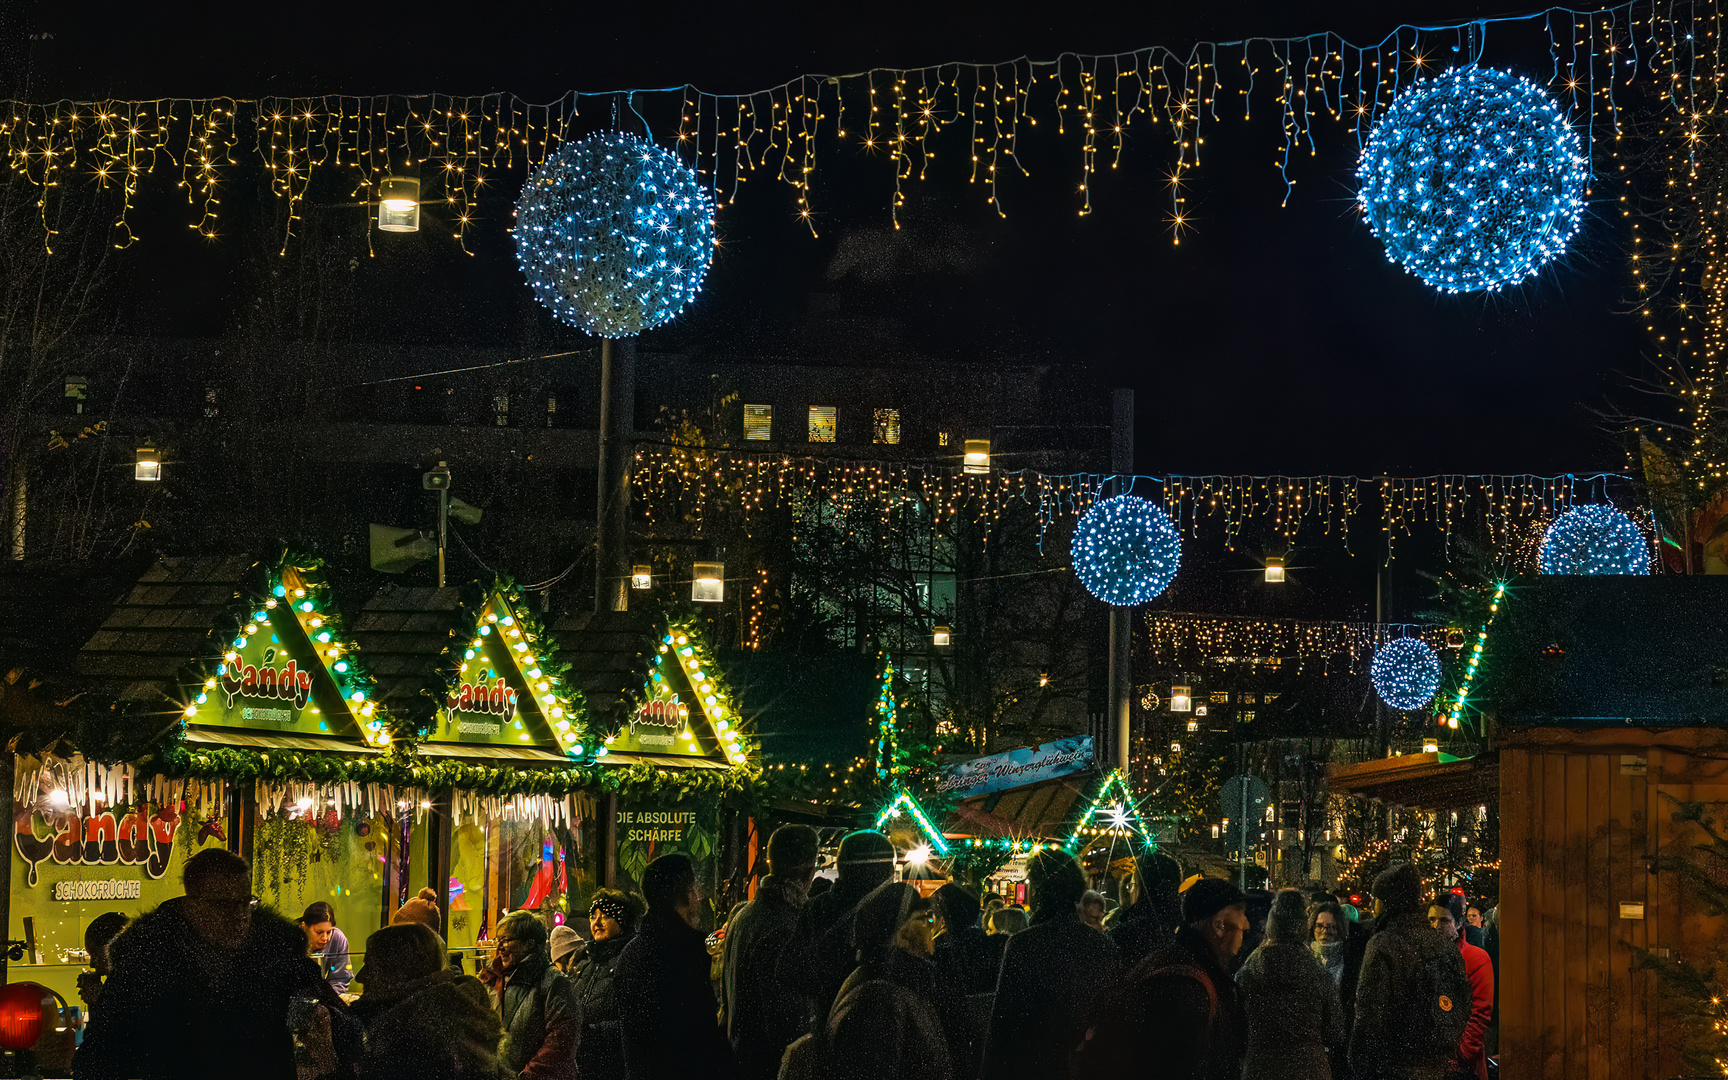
[[821, 952], [542, 1021], [1144, 928], [666, 1005], [1293, 1014], [600, 1056], [968, 959], [761, 1014], [178, 1008], [333, 962], [1380, 1040], [1184, 1011], [941, 999], [1472, 1052], [441, 1027], [1050, 973], [877, 1030]]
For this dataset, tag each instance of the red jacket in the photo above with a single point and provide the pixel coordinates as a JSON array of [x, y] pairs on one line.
[[1472, 1051]]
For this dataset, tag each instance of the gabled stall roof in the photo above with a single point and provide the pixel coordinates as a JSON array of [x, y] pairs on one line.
[[1035, 812], [404, 632], [164, 622]]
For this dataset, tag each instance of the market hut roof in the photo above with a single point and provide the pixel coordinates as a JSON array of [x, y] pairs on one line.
[[163, 623], [404, 633], [1580, 651], [1430, 781]]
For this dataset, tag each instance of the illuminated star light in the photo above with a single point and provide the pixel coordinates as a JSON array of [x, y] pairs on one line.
[[614, 234], [1473, 180], [1406, 673], [1126, 550], [1594, 539]]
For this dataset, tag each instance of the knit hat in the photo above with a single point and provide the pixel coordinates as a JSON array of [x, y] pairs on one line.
[[1288, 921], [565, 940], [1399, 887], [422, 909], [401, 953], [866, 853], [1207, 897]]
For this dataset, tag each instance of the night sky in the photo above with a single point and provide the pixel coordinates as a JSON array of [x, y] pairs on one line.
[[1272, 340]]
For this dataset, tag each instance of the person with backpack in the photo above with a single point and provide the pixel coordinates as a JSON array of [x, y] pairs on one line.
[[1413, 999], [1446, 914], [1177, 1014], [1291, 1001]]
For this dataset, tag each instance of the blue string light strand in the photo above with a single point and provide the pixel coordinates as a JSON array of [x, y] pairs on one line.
[[1126, 550], [1406, 673], [1473, 180], [614, 234], [1594, 539]]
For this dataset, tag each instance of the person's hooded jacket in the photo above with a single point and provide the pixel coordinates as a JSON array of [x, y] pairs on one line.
[[821, 954], [542, 1020], [440, 1027], [666, 1004], [1051, 971], [1291, 1004], [177, 1008], [1382, 1046]]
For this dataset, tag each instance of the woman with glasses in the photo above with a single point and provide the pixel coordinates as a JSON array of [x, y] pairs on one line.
[[542, 1017], [612, 919]]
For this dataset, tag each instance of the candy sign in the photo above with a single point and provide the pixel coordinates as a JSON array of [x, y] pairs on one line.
[[289, 684], [97, 839]]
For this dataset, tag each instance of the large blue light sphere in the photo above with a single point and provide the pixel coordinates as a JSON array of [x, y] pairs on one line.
[[614, 234], [1126, 550], [1473, 180], [1406, 673], [1594, 539]]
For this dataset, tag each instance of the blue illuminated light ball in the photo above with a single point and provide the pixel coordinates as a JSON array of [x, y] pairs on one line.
[[1594, 539], [1406, 673], [1126, 550], [614, 234], [1473, 180]]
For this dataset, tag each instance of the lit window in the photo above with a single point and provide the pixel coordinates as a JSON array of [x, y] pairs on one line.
[[823, 420], [888, 426], [759, 422]]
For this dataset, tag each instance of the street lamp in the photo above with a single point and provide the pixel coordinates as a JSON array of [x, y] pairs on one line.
[[1275, 571], [641, 577], [709, 586], [399, 204], [941, 637], [1181, 700], [147, 467], [977, 456]]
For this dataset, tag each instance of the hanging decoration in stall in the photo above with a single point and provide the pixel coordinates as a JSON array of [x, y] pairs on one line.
[[1126, 550], [289, 667], [1473, 180], [1186, 637], [1595, 539], [687, 708], [676, 484], [506, 687], [614, 233], [902, 122]]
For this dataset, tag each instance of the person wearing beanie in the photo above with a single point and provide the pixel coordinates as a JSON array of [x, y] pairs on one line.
[[1050, 973], [566, 945], [1178, 1006], [964, 953], [761, 1012], [422, 909], [612, 920], [1155, 910], [819, 955], [1413, 998], [1293, 1010], [422, 1017]]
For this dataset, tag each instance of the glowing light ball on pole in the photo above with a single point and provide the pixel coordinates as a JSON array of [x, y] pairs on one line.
[[1126, 550], [1473, 180], [614, 234], [1406, 673], [1594, 539]]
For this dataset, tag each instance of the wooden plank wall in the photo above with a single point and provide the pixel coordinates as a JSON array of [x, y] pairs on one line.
[[1577, 828]]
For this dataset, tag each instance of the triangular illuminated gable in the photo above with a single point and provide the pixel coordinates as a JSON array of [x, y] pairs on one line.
[[686, 708], [905, 803], [504, 689], [289, 668], [1111, 812]]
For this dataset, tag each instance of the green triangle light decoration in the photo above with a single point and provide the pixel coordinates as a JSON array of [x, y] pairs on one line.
[[904, 802], [1114, 799]]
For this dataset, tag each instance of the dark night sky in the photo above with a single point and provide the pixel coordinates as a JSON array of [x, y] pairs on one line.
[[1271, 340]]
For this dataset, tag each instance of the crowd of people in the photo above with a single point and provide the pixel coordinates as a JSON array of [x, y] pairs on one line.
[[866, 977]]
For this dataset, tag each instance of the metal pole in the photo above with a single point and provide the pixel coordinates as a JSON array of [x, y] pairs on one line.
[[1121, 618], [443, 526], [612, 509], [1242, 851]]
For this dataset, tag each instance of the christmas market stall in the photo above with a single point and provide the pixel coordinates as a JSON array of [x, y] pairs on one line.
[[213, 666]]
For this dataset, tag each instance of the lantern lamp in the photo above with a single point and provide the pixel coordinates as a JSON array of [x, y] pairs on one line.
[[1181, 699], [709, 586], [1193, 725], [1275, 571], [977, 456], [641, 577], [147, 466], [941, 637], [24, 1008], [399, 204]]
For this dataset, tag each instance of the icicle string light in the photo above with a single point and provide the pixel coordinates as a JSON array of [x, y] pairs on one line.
[[695, 484], [904, 123], [1185, 637]]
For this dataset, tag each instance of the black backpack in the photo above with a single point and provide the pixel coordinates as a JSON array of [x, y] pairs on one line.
[[1441, 1001]]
